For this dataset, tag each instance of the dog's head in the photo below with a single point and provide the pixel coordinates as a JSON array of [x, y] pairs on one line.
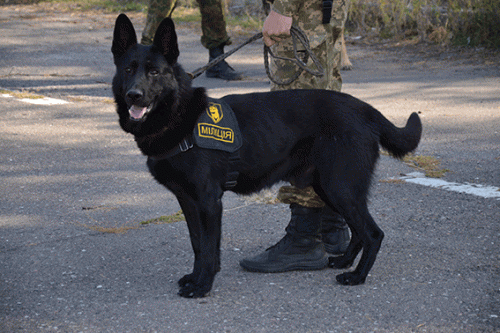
[[147, 78]]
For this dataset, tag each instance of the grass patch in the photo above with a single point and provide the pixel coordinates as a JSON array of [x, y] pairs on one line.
[[476, 24], [245, 22], [430, 165], [113, 230], [241, 22], [177, 217], [106, 5], [22, 94], [235, 23], [187, 15], [463, 22], [75, 99]]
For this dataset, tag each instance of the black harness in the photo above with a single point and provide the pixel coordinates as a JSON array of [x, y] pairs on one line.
[[218, 129]]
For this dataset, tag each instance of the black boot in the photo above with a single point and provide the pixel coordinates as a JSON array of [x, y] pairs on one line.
[[334, 232], [300, 249], [222, 70]]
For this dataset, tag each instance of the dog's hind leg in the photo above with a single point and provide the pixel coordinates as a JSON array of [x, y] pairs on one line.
[[204, 224], [367, 237], [350, 201]]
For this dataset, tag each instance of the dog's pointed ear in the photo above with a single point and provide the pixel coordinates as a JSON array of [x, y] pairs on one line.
[[124, 36], [166, 40]]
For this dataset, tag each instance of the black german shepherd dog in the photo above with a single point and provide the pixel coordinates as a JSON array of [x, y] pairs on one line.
[[326, 139]]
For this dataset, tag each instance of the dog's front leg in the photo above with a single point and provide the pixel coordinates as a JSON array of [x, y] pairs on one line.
[[203, 217]]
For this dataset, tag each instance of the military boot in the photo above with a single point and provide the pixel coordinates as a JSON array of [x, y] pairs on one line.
[[334, 232], [300, 249], [222, 70]]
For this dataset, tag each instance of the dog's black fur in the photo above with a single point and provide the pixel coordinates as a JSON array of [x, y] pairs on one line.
[[321, 138]]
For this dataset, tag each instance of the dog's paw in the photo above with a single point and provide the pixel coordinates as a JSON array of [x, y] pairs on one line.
[[350, 279], [190, 289], [186, 280], [339, 262]]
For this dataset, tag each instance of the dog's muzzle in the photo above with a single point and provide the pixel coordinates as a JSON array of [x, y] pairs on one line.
[[138, 113]]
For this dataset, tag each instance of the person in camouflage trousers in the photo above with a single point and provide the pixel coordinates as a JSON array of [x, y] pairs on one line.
[[314, 229], [214, 35], [324, 40]]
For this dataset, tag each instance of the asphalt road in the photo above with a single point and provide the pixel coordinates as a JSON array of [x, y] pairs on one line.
[[74, 189]]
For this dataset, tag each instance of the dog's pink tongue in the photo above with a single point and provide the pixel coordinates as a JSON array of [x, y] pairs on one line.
[[137, 112]]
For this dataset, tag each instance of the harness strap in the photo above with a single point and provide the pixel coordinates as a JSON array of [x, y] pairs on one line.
[[186, 144], [232, 174]]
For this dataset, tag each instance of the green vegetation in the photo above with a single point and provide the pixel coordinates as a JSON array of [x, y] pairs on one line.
[[113, 230], [430, 165], [21, 94], [177, 217], [107, 5], [478, 25], [186, 11], [460, 22]]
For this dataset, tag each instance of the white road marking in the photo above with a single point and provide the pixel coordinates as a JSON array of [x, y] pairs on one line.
[[484, 191], [43, 101]]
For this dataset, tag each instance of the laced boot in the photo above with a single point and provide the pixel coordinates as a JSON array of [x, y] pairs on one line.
[[334, 232], [222, 70], [300, 249]]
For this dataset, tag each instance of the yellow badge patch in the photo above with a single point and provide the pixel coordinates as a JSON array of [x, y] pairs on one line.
[[214, 111], [217, 128], [216, 132], [210, 131]]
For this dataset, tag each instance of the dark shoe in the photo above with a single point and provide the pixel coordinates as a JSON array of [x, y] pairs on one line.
[[334, 232], [300, 249], [222, 70]]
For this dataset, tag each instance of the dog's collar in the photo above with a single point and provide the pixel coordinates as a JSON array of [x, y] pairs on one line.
[[186, 144]]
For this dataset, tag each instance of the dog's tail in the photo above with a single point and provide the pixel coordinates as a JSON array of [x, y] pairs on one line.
[[401, 141]]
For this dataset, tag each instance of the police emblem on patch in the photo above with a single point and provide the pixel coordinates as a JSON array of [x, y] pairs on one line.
[[223, 136], [215, 112]]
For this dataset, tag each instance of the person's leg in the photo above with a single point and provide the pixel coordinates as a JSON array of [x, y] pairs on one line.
[[214, 38], [312, 229], [334, 232], [157, 11], [300, 249]]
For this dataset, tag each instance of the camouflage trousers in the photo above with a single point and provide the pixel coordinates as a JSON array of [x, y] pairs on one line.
[[325, 41], [328, 55], [326, 45], [213, 25], [305, 197]]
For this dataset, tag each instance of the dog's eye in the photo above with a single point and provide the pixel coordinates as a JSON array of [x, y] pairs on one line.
[[154, 72], [128, 70]]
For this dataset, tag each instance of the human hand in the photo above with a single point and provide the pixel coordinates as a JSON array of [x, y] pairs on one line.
[[276, 28]]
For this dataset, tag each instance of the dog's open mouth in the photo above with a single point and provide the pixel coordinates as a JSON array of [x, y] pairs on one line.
[[138, 113]]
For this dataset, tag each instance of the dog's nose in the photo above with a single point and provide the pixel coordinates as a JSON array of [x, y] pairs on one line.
[[134, 95]]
